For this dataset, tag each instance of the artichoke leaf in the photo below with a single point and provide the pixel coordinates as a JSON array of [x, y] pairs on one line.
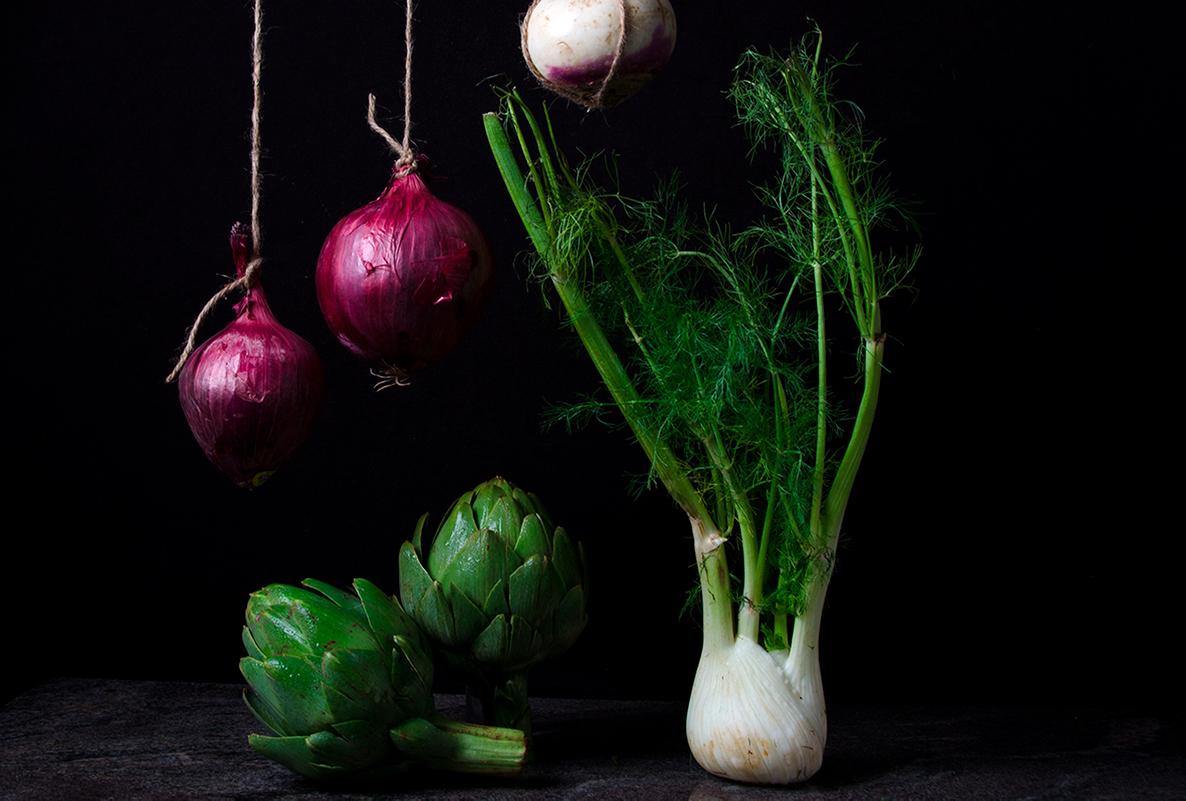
[[492, 646], [468, 619], [385, 616], [527, 644], [418, 659], [418, 535], [351, 744], [424, 598], [476, 568], [293, 753], [533, 537], [273, 630], [252, 649], [296, 754], [504, 518], [340, 598], [452, 537], [566, 559], [528, 585], [411, 677], [486, 495], [357, 684], [525, 500], [264, 712], [496, 601], [292, 688]]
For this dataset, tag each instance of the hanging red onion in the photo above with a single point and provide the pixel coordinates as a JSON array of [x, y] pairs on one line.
[[252, 391], [401, 279], [572, 46]]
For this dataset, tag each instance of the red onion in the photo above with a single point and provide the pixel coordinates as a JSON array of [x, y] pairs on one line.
[[571, 46], [401, 279], [252, 391]]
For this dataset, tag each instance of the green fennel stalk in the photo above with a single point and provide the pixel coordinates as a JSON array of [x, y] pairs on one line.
[[714, 347]]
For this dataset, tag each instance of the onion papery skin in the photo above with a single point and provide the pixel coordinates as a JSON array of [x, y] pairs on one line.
[[402, 279], [251, 392], [569, 45], [749, 721]]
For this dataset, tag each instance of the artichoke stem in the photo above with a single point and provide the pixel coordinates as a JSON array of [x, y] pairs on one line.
[[504, 702], [461, 747]]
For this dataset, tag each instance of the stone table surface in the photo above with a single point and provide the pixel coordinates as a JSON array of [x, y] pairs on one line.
[[89, 739]]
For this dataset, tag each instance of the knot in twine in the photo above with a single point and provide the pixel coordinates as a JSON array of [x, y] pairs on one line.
[[406, 163]]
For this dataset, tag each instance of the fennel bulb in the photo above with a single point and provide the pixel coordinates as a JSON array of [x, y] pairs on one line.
[[756, 715], [751, 720]]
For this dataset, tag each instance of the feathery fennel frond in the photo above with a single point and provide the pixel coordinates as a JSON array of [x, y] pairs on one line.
[[717, 340]]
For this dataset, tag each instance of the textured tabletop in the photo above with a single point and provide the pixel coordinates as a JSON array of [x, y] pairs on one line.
[[94, 739]]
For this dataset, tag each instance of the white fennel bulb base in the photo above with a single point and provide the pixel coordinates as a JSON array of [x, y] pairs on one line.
[[754, 717]]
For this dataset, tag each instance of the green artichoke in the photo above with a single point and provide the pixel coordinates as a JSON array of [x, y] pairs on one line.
[[345, 682], [504, 588]]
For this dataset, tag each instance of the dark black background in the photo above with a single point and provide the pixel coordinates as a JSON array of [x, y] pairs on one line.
[[1001, 545]]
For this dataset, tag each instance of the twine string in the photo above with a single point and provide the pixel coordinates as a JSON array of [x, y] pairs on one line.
[[396, 147], [406, 163], [257, 60], [251, 272], [618, 51], [245, 281], [407, 80]]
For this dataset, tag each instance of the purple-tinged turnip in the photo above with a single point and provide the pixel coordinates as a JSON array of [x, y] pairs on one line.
[[597, 52]]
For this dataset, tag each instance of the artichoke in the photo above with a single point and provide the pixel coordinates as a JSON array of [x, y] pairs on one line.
[[501, 589], [345, 682]]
